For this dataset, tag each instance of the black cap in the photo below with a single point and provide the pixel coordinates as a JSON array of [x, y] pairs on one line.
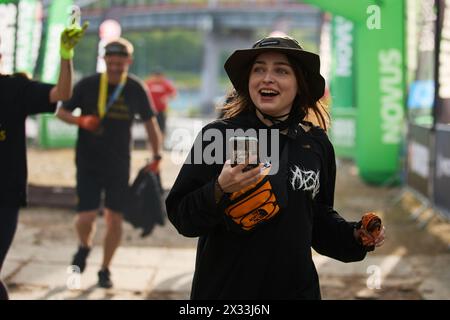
[[120, 46]]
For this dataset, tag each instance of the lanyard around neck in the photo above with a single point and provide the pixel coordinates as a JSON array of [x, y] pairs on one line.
[[103, 93]]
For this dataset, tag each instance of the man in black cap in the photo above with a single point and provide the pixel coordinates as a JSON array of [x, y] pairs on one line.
[[108, 103]]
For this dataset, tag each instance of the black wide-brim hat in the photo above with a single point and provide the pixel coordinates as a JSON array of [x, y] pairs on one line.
[[309, 62]]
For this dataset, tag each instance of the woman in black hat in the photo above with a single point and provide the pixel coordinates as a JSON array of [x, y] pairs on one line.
[[257, 225]]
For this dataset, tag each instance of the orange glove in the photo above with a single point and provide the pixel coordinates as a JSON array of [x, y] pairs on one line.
[[153, 166], [89, 122]]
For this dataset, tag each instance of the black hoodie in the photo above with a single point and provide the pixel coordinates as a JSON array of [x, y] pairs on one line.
[[274, 260]]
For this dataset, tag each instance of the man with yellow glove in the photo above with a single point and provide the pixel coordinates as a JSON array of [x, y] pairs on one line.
[[20, 97]]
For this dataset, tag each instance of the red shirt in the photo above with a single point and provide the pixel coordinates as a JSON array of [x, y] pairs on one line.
[[160, 90]]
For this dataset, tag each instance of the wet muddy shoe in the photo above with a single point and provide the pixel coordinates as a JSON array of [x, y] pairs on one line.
[[79, 259], [104, 279]]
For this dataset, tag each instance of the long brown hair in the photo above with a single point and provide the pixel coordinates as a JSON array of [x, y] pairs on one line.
[[240, 101]]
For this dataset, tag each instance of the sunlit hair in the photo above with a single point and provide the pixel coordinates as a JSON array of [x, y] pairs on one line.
[[240, 101]]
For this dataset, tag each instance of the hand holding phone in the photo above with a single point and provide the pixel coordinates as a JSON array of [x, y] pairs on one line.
[[244, 150]]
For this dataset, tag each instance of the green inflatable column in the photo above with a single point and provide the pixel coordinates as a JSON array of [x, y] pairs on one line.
[[20, 27], [8, 24], [343, 111], [380, 83], [53, 133]]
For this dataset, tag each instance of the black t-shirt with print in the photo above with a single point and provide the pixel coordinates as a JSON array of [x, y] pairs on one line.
[[109, 147], [19, 97]]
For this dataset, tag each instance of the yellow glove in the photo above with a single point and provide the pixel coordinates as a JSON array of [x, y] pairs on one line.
[[69, 39]]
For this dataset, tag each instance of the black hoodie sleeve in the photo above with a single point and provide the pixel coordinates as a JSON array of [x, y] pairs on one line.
[[191, 205], [332, 234]]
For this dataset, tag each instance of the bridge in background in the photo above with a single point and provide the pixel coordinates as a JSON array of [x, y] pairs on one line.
[[244, 16], [224, 24]]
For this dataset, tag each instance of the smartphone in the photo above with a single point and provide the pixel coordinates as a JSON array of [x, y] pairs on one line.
[[244, 150]]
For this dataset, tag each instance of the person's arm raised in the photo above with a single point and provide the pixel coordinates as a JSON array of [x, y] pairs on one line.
[[69, 39]]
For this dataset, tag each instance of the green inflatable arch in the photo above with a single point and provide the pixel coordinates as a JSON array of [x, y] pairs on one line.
[[379, 83]]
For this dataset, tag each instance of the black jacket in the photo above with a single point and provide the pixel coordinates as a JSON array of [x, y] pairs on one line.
[[274, 260]]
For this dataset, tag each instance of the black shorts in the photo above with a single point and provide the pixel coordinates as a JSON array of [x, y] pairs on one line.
[[92, 184], [161, 118]]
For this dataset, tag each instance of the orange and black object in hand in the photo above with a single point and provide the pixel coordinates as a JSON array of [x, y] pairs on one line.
[[372, 224]]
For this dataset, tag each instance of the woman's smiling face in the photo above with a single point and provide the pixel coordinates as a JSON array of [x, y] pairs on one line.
[[272, 84]]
